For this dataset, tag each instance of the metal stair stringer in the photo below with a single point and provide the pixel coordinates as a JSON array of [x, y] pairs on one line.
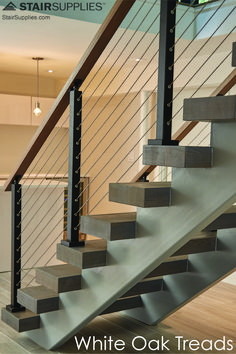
[[198, 197], [204, 271]]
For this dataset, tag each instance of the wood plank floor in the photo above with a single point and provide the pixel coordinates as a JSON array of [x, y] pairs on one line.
[[210, 316]]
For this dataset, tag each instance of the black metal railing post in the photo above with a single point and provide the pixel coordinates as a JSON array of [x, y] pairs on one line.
[[73, 200], [16, 196], [165, 74]]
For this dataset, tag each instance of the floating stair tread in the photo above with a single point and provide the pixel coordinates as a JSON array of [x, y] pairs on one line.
[[124, 304], [210, 109], [38, 299], [144, 287], [205, 242], [59, 278], [224, 221], [110, 226], [170, 267], [141, 194], [93, 254], [21, 321], [177, 156]]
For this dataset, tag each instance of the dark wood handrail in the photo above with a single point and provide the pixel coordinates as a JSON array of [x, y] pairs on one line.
[[186, 127], [89, 59]]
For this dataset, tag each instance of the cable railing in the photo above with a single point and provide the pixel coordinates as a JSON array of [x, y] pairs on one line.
[[65, 173], [198, 64]]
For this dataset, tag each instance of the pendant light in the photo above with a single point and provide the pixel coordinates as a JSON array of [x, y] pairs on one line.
[[37, 111]]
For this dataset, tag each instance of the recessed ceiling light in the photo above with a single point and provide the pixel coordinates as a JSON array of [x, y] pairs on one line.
[[50, 71], [138, 59]]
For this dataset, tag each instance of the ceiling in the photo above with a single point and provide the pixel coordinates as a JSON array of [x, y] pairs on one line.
[[60, 41]]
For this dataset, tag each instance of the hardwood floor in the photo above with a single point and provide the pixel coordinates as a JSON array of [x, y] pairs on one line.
[[210, 316]]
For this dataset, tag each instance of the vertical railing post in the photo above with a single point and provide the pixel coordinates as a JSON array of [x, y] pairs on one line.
[[16, 196], [165, 74], [73, 200]]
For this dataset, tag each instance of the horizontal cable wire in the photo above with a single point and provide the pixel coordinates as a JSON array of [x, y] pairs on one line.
[[175, 61], [206, 59], [45, 177], [134, 114], [121, 115], [123, 158], [103, 63], [49, 181], [29, 270], [208, 134], [105, 60], [24, 264], [55, 186], [95, 191], [128, 91], [121, 53], [34, 277], [43, 229], [114, 47], [137, 63], [199, 133], [32, 233], [119, 102], [216, 68], [96, 204], [208, 77], [118, 166], [44, 239], [179, 20], [107, 178], [45, 149], [53, 189], [186, 29]]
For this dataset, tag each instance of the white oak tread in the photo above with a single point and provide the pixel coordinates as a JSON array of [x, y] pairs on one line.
[[111, 227]]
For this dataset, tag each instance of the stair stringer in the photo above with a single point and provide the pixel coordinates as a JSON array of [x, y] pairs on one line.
[[205, 270], [199, 196]]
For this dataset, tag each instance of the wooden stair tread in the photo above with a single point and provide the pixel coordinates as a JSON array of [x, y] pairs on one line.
[[210, 109], [224, 221], [110, 226], [124, 304], [60, 278], [169, 267], [38, 299], [21, 321], [205, 242], [141, 194], [144, 287], [93, 254], [177, 156]]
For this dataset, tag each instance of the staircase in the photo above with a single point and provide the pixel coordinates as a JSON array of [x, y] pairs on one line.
[[181, 241]]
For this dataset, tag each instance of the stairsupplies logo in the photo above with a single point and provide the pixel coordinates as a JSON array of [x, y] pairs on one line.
[[10, 7], [55, 6]]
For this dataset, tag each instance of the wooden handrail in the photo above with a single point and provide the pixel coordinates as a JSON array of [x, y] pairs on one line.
[[186, 127], [89, 59]]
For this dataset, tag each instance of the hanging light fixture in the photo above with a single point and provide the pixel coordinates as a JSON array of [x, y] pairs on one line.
[[37, 111]]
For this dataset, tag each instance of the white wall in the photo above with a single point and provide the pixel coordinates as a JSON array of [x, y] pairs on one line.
[[18, 110]]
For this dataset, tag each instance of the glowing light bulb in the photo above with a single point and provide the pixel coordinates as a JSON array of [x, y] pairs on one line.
[[37, 111]]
